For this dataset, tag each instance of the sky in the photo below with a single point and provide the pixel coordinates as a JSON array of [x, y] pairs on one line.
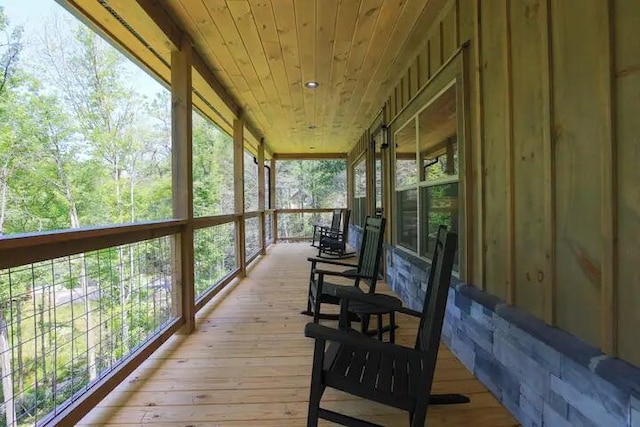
[[32, 13]]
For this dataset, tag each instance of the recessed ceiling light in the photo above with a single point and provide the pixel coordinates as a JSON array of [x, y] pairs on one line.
[[311, 84]]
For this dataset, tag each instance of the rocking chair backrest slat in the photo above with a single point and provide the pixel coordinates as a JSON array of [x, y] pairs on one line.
[[437, 253], [345, 224], [371, 249], [335, 219], [436, 301]]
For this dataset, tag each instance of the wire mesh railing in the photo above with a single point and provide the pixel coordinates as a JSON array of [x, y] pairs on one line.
[[252, 237], [299, 225], [67, 322], [268, 225], [214, 256]]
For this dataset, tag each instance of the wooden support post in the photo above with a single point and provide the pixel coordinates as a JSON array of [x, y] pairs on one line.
[[609, 162], [182, 182], [511, 250], [477, 152], [272, 199], [238, 186], [261, 198]]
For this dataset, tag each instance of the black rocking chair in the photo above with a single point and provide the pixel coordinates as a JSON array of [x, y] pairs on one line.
[[318, 229], [383, 372], [366, 272], [333, 243]]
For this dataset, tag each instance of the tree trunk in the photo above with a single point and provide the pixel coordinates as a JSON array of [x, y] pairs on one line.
[[7, 375], [74, 219], [4, 185]]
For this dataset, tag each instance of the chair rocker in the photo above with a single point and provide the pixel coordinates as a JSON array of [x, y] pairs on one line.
[[333, 243], [318, 229], [366, 271], [383, 372]]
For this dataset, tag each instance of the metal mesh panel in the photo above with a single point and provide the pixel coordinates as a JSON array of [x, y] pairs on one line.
[[269, 228], [215, 256], [67, 322], [252, 237], [300, 225]]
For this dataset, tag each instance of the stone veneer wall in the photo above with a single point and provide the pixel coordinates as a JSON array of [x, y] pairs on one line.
[[543, 375]]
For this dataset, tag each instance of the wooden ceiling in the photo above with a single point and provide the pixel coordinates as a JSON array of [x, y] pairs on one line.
[[262, 52]]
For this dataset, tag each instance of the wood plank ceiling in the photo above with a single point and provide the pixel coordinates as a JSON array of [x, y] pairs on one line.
[[264, 51]]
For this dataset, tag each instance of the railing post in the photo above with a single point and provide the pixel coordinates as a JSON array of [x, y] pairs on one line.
[[182, 183], [261, 198], [272, 199], [238, 186]]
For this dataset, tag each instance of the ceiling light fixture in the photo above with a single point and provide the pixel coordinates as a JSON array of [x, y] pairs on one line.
[[311, 84]]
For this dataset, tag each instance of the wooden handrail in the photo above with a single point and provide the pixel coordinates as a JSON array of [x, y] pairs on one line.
[[25, 249], [212, 221], [314, 210]]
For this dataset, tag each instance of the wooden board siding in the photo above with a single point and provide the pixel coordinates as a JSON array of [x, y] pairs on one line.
[[579, 43], [553, 92], [533, 247], [627, 129], [249, 364], [496, 137]]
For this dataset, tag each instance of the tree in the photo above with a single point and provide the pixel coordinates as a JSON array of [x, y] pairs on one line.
[[10, 47]]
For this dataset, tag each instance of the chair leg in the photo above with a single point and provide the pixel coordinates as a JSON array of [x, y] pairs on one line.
[[419, 415], [392, 324], [316, 309], [317, 388]]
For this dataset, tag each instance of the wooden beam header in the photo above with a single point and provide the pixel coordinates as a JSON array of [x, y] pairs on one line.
[[309, 156]]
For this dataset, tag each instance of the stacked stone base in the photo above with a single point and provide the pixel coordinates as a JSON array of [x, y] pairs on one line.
[[543, 375]]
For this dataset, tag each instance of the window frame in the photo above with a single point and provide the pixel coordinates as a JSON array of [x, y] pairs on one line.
[[451, 75]]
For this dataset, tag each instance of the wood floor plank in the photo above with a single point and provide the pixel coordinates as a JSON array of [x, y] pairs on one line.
[[248, 364]]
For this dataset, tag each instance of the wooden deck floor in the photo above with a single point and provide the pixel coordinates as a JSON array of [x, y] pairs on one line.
[[248, 364]]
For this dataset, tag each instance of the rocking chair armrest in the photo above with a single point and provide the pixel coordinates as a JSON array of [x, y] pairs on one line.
[[326, 261], [369, 298], [331, 232], [345, 274], [323, 228], [354, 339]]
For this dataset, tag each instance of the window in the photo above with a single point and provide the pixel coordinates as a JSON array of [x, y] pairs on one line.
[[360, 192], [427, 174], [377, 142]]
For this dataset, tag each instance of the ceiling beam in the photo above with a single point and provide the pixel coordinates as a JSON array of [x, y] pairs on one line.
[[166, 23]]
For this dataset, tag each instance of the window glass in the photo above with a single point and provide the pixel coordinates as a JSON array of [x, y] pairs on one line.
[[439, 206], [437, 143], [408, 219], [377, 146], [360, 193], [406, 166]]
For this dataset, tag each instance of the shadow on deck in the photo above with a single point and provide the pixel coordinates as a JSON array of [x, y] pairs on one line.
[[249, 364]]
